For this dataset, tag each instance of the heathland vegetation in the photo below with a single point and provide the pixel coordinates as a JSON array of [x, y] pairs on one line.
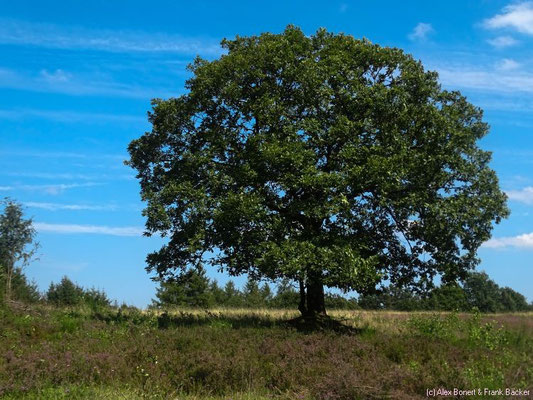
[[111, 353]]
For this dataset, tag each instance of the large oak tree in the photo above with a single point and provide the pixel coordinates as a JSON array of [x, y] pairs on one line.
[[324, 159]]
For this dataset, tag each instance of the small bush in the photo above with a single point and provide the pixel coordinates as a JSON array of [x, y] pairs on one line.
[[435, 326], [486, 334]]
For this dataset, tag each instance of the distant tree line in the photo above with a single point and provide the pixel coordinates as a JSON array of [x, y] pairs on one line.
[[67, 293], [195, 289], [478, 291], [63, 293]]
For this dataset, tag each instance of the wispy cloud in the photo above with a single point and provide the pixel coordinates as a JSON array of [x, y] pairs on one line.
[[59, 81], [517, 16], [68, 116], [488, 79], [47, 175], [92, 229], [421, 31], [501, 42], [55, 76], [524, 241], [69, 176], [119, 41], [63, 154], [49, 189], [508, 101], [71, 207], [523, 196], [507, 64]]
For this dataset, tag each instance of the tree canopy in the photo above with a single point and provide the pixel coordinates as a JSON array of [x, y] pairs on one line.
[[324, 159]]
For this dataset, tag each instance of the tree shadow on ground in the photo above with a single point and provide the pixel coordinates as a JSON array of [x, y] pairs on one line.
[[301, 324], [167, 320], [323, 323]]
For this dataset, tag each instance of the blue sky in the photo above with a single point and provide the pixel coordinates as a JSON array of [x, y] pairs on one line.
[[76, 79]]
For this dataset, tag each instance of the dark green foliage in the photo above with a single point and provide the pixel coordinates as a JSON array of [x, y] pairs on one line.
[[450, 297], [391, 298], [255, 296], [482, 292], [324, 159], [478, 292], [189, 289], [218, 295], [95, 298], [511, 300], [232, 296], [338, 302], [266, 293], [67, 293], [374, 301], [21, 289], [286, 295]]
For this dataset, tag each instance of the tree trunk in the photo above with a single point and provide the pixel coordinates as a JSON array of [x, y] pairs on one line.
[[315, 304], [302, 307], [9, 277]]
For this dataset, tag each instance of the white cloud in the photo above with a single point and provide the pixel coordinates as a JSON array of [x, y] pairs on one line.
[[46, 175], [71, 116], [514, 16], [56, 76], [92, 229], [488, 79], [69, 176], [49, 189], [421, 31], [118, 41], [523, 196], [507, 64], [520, 241], [60, 188], [501, 42], [73, 207], [66, 83], [60, 154]]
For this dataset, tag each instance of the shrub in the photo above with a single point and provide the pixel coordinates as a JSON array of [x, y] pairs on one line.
[[96, 298], [21, 289], [67, 293]]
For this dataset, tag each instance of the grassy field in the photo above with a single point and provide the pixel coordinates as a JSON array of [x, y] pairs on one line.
[[49, 353]]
